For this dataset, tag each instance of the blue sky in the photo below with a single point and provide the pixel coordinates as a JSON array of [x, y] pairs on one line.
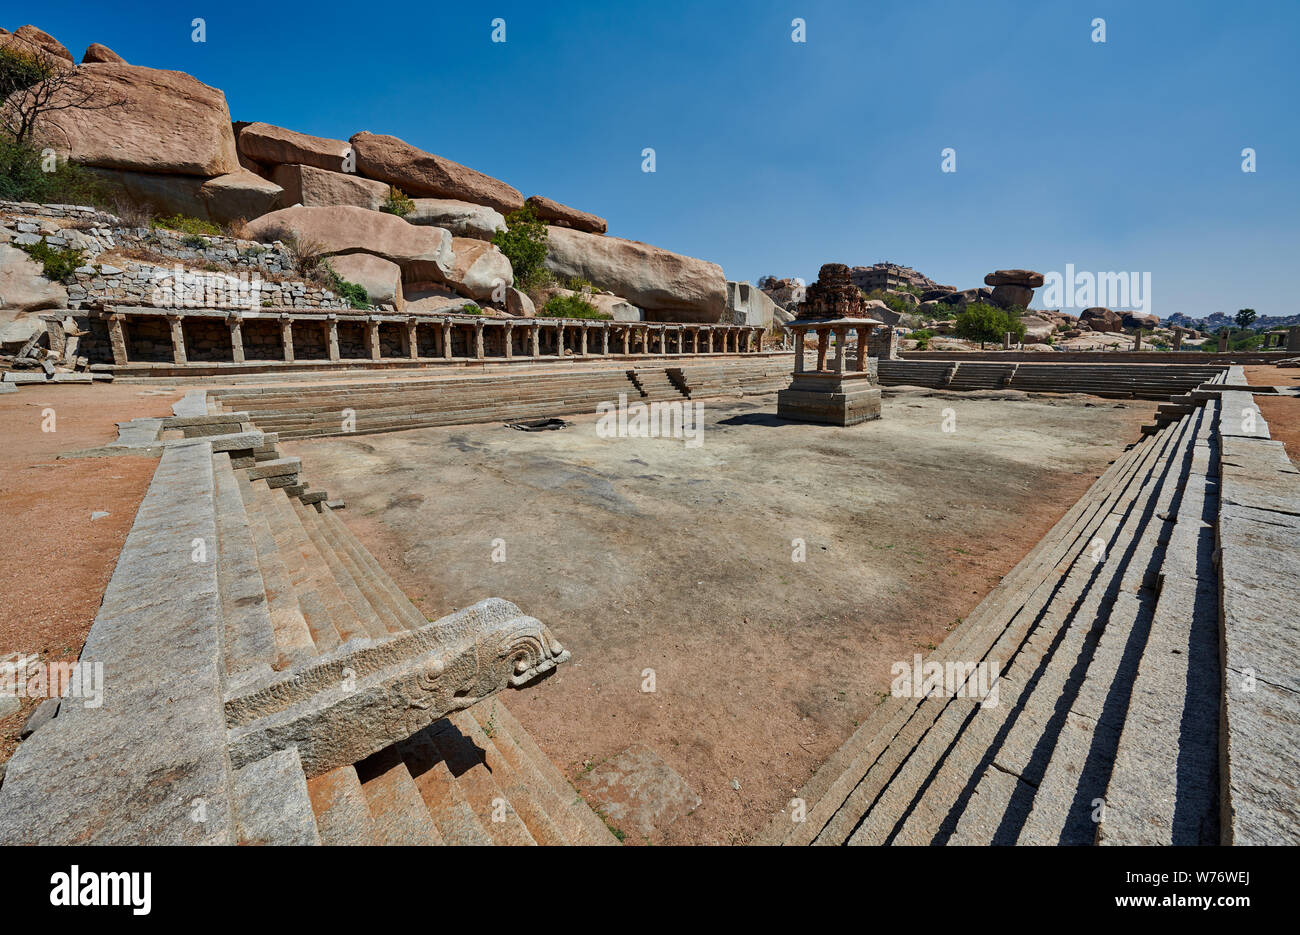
[[775, 156]]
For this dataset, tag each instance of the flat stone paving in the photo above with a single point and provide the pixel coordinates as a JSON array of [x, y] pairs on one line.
[[668, 567]]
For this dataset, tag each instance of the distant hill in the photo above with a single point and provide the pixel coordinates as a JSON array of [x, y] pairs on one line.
[[1219, 320]]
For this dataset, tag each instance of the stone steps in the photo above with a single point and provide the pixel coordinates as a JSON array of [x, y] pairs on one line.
[[1022, 592], [1155, 381], [915, 799], [1106, 726]]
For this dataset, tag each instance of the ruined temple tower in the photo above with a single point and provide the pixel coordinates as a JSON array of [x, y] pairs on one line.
[[831, 392]]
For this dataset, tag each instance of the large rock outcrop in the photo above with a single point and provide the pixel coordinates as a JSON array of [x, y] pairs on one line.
[[382, 279], [460, 217], [423, 253], [143, 120], [237, 194], [38, 41], [668, 286], [273, 146], [479, 269], [418, 173], [318, 188], [1101, 319], [749, 305], [552, 212], [102, 54], [24, 290], [1013, 287]]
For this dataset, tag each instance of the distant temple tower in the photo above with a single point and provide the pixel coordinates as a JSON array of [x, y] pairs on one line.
[[829, 392]]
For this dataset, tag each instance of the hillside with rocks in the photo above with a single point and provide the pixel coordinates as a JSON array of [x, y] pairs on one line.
[[414, 230]]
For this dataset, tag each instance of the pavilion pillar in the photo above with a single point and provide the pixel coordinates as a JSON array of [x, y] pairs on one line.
[[510, 340], [864, 335], [823, 339], [372, 338], [332, 326], [117, 337], [1178, 340], [798, 351], [604, 341], [178, 339], [535, 337], [583, 329], [446, 340], [236, 339], [286, 337], [478, 340], [627, 341], [412, 340]]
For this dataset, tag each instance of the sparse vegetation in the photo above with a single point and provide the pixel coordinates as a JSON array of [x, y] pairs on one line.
[[24, 177], [56, 263], [981, 322], [571, 306], [397, 202], [471, 309], [524, 244], [922, 339], [354, 293], [184, 224]]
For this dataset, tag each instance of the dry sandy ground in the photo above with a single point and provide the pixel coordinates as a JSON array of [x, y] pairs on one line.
[[1281, 413], [57, 561], [644, 554]]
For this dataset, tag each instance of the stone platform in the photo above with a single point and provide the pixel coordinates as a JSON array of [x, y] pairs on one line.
[[830, 398]]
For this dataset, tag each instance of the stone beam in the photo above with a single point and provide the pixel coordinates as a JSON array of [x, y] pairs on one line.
[[352, 702]]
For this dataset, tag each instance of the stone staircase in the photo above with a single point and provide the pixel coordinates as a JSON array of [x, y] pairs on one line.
[[1125, 381], [264, 673], [1105, 643], [393, 405]]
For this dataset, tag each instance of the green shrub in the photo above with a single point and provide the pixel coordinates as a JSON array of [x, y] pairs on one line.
[[397, 202], [58, 264], [922, 338], [471, 309], [188, 225], [982, 322], [18, 72], [22, 178], [195, 241], [354, 293], [571, 306], [524, 244]]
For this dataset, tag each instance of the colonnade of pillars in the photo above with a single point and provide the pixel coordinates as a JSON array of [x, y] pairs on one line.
[[560, 336], [838, 362]]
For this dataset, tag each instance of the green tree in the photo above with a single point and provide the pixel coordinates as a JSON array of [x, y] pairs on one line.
[[1245, 318], [981, 322], [524, 244]]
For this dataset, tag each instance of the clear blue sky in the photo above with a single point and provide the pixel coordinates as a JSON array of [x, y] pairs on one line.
[[775, 157]]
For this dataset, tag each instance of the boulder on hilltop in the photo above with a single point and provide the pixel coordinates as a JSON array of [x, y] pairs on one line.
[[668, 286], [102, 54], [423, 253], [422, 174], [144, 120], [552, 212], [275, 146]]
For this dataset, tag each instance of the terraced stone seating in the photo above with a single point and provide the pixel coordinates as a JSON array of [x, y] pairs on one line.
[[391, 405], [267, 683], [1141, 381], [1110, 684]]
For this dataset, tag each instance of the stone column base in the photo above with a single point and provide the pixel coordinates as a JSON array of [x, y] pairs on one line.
[[829, 398]]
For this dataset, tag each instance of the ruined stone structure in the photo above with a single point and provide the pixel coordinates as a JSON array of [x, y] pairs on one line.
[[830, 392]]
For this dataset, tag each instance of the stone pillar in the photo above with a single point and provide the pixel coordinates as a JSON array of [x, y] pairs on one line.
[[1293, 338], [627, 341], [286, 337], [178, 339], [1178, 340], [446, 340], [583, 344], [536, 337], [236, 338], [864, 337], [823, 339], [798, 351], [1223, 342], [1006, 340], [117, 338], [695, 340], [412, 339], [604, 341], [372, 338], [332, 324], [510, 340], [478, 340], [1137, 340], [841, 348]]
